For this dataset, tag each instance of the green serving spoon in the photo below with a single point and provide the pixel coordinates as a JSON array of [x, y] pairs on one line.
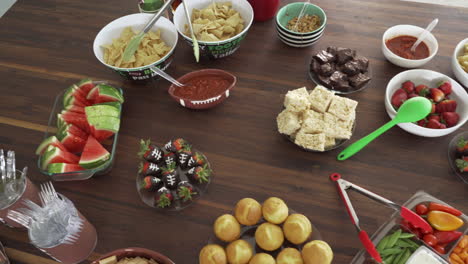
[[411, 110]]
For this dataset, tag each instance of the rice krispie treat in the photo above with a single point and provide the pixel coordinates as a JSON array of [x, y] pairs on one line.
[[343, 108], [288, 122], [320, 98], [297, 100], [313, 122], [336, 128], [310, 141], [329, 142]]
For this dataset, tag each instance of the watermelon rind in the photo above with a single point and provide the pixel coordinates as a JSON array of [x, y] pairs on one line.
[[68, 94], [109, 123], [98, 159], [117, 105], [63, 167], [46, 143], [60, 121], [101, 110], [110, 93]]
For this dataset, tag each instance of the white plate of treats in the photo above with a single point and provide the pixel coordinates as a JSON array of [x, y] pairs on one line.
[[317, 121]]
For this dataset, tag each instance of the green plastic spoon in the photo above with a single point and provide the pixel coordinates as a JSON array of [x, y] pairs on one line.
[[411, 110]]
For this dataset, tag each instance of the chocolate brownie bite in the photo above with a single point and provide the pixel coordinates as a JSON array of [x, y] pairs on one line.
[[359, 80], [327, 69], [351, 68], [363, 63], [344, 55], [324, 57]]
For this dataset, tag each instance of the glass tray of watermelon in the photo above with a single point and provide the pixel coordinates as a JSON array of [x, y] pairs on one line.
[[81, 136], [172, 177]]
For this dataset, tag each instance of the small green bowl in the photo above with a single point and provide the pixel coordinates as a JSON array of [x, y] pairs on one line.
[[290, 11]]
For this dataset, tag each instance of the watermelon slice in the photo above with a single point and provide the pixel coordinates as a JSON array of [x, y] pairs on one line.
[[50, 141], [55, 155], [72, 142], [73, 95], [85, 86], [102, 93], [76, 109], [101, 110], [117, 105], [72, 129], [78, 120], [63, 167], [94, 154], [103, 127]]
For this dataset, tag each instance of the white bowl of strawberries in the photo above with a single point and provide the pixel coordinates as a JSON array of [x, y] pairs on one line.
[[450, 101]]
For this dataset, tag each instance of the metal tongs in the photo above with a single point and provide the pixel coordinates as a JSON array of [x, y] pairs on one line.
[[405, 213]]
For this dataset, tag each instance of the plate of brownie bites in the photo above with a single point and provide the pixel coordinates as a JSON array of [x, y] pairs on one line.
[[317, 120]]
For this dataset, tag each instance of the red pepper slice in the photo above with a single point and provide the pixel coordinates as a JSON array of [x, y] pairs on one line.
[[444, 208], [444, 237]]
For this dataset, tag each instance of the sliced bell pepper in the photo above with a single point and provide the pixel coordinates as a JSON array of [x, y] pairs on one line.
[[443, 221], [444, 237], [444, 208]]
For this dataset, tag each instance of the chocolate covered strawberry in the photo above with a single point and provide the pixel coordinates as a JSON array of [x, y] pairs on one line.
[[170, 168], [150, 152], [171, 180], [462, 146], [177, 145], [183, 158], [149, 168], [169, 158], [197, 159], [185, 191], [163, 198], [151, 183], [199, 174], [445, 87]]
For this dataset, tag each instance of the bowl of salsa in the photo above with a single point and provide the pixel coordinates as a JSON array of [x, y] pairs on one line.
[[398, 40], [203, 89]]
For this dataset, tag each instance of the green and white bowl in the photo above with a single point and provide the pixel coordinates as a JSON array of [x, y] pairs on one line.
[[137, 22], [217, 49]]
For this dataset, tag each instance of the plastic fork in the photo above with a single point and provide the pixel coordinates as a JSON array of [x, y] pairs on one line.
[[405, 213], [19, 218], [48, 193]]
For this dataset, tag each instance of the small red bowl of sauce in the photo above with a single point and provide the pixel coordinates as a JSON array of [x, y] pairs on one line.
[[203, 89], [401, 46]]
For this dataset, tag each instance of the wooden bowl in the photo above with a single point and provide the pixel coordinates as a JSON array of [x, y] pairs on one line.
[[136, 252], [209, 102]]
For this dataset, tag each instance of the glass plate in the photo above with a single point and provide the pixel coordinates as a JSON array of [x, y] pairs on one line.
[[453, 155], [109, 144]]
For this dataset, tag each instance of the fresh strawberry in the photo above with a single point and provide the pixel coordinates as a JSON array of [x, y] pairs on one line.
[[170, 158], [151, 183], [433, 124], [445, 87], [197, 159], [433, 109], [450, 118], [185, 191], [422, 90], [422, 122], [150, 152], [462, 164], [442, 126], [436, 117], [169, 169], [199, 174], [149, 168], [408, 86], [163, 198], [398, 98], [437, 95], [462, 146], [412, 95], [446, 106]]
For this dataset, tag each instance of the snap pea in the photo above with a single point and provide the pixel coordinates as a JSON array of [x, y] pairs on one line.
[[393, 238], [405, 257], [390, 251], [383, 243], [406, 235], [411, 242], [389, 259], [402, 243], [398, 258]]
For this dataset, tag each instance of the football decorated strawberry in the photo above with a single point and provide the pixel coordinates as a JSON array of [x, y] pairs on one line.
[[450, 118], [151, 183], [171, 179], [462, 164], [169, 169], [199, 174], [150, 152], [445, 87], [197, 159], [183, 158], [163, 198], [185, 191], [462, 146], [149, 168], [170, 158]]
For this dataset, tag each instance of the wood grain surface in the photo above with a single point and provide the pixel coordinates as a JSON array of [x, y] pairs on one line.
[[47, 45]]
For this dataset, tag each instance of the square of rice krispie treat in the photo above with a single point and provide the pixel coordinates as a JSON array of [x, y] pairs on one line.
[[310, 141], [335, 127], [343, 108], [329, 142], [312, 122], [297, 100], [288, 122], [320, 98]]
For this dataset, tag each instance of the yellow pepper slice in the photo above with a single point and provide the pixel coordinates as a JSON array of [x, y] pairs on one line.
[[443, 221]]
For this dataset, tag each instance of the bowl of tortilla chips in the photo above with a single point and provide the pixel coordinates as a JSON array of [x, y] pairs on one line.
[[155, 50], [218, 26]]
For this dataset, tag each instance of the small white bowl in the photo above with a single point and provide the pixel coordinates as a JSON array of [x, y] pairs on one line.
[[461, 75], [408, 30], [429, 78]]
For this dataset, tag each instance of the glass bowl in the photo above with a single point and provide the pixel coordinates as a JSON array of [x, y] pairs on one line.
[[453, 154]]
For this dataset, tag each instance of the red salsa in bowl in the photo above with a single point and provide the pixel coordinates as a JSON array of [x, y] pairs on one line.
[[401, 46], [203, 89]]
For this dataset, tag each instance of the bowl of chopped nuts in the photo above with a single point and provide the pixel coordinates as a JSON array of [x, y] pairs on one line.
[[300, 24]]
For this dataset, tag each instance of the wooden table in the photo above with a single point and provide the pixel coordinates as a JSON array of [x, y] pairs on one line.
[[46, 46]]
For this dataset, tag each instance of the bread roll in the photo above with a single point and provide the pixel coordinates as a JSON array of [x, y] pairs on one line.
[[275, 210], [212, 254], [239, 252], [297, 228], [269, 236], [289, 256], [248, 211], [227, 228], [317, 252], [262, 258]]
